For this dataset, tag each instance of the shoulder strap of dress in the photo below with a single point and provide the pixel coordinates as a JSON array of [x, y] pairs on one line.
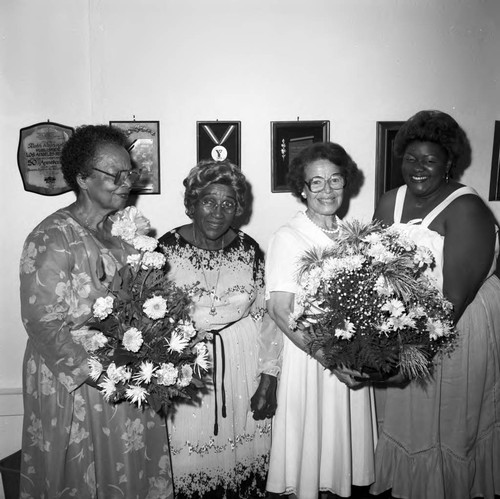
[[444, 204], [398, 205]]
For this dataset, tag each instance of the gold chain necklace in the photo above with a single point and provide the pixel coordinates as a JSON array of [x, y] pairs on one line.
[[211, 292]]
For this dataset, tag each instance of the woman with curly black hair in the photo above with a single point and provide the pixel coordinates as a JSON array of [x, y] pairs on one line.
[[441, 438], [75, 443]]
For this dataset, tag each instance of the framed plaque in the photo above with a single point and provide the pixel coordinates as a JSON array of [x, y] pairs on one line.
[[144, 148], [219, 140], [39, 157], [288, 138], [387, 166], [495, 166]]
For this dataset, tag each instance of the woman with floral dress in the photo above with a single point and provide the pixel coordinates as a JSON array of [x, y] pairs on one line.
[[218, 449], [75, 444]]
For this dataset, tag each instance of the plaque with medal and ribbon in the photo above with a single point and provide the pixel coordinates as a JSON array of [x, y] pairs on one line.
[[219, 141]]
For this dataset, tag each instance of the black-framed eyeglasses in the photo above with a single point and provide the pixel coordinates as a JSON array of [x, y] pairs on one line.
[[317, 184], [120, 177], [228, 206]]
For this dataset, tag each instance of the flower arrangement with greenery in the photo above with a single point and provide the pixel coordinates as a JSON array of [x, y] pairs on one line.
[[143, 345], [370, 305]]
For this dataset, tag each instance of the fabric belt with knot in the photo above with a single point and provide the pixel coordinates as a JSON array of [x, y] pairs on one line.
[[216, 334]]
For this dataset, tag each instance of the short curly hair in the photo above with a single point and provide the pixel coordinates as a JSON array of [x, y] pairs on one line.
[[208, 172], [79, 154], [330, 151], [432, 126]]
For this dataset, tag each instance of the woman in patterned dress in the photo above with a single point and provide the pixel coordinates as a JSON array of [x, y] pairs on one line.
[[441, 438], [218, 449], [75, 444]]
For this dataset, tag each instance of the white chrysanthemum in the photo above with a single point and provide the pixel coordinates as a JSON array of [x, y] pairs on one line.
[[95, 368], [103, 306], [95, 341], [136, 394], [380, 253], [423, 256], [385, 328], [146, 371], [187, 329], [401, 322], [417, 311], [201, 360], [437, 329], [395, 307], [185, 376], [347, 333], [118, 374], [155, 307], [144, 243], [108, 388], [153, 259], [177, 342], [400, 232], [166, 374], [373, 238], [132, 339], [133, 260], [382, 287]]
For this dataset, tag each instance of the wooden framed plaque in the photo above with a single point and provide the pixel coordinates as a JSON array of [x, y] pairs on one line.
[[39, 157]]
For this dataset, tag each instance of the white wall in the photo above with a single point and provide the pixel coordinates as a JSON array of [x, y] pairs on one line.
[[353, 62]]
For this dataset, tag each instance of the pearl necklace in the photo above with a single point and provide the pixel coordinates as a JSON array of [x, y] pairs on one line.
[[211, 292], [326, 231]]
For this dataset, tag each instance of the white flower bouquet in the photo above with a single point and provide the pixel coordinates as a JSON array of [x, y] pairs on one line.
[[370, 305], [143, 345]]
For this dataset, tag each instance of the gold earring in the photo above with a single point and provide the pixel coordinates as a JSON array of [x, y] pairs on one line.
[[304, 195]]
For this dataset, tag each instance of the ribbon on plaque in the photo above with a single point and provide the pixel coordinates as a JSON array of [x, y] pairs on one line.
[[219, 152]]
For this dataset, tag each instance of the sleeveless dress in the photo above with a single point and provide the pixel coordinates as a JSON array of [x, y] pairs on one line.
[[323, 432], [212, 454], [75, 444], [441, 439]]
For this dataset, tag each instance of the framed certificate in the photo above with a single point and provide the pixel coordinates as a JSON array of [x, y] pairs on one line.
[[219, 140], [144, 148], [288, 138], [39, 157], [387, 166]]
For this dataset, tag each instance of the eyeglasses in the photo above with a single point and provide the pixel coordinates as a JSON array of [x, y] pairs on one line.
[[120, 177], [317, 184], [227, 206]]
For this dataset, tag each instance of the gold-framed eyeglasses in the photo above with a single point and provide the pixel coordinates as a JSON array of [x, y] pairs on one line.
[[120, 177], [227, 206], [317, 184]]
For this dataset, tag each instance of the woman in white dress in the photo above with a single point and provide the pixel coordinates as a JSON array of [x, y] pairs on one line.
[[324, 431]]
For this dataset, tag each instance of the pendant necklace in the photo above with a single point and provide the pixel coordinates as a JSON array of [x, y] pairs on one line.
[[213, 292], [326, 231]]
